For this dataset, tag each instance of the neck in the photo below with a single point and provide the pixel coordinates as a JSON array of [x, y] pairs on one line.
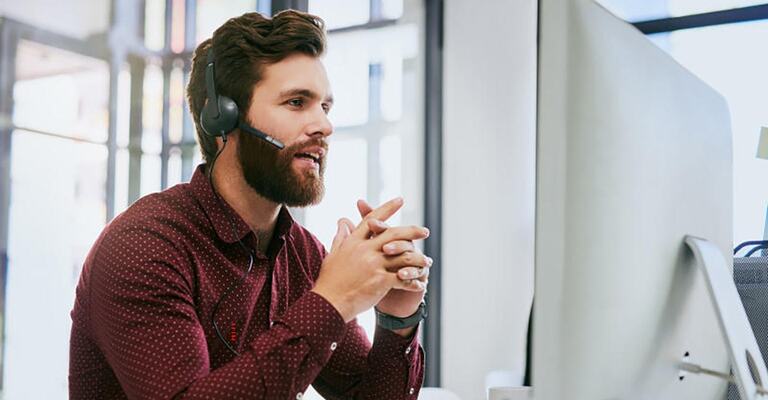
[[258, 212]]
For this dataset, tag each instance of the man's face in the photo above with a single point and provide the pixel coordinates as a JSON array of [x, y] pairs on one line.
[[290, 103]]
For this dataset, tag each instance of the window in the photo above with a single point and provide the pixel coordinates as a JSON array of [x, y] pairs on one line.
[[57, 208]]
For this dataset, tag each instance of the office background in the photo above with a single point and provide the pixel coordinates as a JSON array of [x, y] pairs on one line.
[[435, 102]]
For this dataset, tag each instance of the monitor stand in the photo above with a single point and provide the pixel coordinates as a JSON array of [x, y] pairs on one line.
[[749, 371]]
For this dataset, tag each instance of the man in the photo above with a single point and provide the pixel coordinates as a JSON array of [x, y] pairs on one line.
[[210, 290]]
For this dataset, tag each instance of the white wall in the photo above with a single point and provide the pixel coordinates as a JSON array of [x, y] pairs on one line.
[[488, 188]]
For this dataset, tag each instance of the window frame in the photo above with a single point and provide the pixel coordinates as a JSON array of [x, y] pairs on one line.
[[722, 17]]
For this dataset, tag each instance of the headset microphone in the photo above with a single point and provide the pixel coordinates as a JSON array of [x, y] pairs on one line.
[[255, 132]]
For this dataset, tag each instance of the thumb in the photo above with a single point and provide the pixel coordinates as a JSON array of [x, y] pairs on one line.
[[364, 208]]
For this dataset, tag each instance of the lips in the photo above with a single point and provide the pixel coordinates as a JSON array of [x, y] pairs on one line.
[[314, 153], [312, 156]]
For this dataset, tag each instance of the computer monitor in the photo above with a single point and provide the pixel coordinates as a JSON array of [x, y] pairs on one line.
[[633, 154]]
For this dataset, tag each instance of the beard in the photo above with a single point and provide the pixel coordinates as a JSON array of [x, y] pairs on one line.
[[269, 171]]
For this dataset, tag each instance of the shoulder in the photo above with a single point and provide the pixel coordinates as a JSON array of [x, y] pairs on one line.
[[151, 234], [170, 209]]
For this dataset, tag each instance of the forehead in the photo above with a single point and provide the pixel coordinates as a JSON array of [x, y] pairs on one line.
[[298, 71]]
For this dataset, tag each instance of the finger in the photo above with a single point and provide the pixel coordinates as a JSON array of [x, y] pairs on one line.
[[349, 224], [398, 247], [376, 227], [411, 285], [407, 259], [382, 213], [413, 273], [392, 234], [364, 208], [342, 231]]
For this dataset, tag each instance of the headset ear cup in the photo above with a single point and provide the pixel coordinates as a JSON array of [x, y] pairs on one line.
[[225, 123], [229, 115]]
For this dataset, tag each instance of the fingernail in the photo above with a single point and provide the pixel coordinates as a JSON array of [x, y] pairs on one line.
[[426, 231], [389, 247], [429, 261]]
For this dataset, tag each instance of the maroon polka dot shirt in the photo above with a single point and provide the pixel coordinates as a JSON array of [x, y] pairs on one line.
[[142, 321]]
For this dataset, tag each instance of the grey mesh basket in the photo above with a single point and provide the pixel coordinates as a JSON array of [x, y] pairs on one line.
[[751, 277]]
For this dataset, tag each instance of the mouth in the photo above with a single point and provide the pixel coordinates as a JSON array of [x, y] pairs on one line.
[[314, 157]]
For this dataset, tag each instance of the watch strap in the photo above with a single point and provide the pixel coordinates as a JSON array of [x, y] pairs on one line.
[[391, 322]]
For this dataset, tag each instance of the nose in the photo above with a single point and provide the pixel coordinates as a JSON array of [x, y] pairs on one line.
[[321, 125]]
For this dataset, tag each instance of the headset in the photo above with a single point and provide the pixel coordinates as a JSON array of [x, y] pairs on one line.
[[220, 115]]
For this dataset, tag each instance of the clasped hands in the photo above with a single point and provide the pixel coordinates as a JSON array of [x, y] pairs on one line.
[[373, 264]]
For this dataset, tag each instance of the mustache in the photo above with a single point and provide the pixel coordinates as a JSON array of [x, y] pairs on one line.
[[298, 147]]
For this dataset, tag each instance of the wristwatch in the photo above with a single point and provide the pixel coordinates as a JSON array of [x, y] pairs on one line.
[[391, 322]]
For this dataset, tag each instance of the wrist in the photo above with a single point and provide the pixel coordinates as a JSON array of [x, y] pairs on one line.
[[401, 324], [397, 312]]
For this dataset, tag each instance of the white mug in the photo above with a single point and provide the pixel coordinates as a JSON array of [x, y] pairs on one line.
[[510, 393]]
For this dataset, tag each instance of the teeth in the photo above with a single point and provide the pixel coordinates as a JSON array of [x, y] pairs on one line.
[[314, 156]]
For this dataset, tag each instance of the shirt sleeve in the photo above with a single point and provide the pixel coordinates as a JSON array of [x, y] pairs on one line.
[[143, 319], [393, 368]]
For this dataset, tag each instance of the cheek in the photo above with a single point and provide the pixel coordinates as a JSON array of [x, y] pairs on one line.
[[285, 126]]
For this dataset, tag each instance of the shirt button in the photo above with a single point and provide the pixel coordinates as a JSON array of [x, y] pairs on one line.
[[333, 346], [408, 350], [411, 391], [299, 396]]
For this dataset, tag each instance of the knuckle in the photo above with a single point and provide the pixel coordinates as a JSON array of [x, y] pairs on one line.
[[371, 260], [408, 258], [380, 278]]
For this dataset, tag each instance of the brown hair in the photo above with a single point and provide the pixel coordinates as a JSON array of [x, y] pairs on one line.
[[242, 47]]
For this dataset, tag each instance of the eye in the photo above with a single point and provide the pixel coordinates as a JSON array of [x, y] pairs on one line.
[[326, 108], [296, 102]]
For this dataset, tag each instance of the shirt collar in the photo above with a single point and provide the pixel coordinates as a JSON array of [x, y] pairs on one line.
[[223, 216]]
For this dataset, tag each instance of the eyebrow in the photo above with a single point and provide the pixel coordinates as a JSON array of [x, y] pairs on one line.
[[304, 93]]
